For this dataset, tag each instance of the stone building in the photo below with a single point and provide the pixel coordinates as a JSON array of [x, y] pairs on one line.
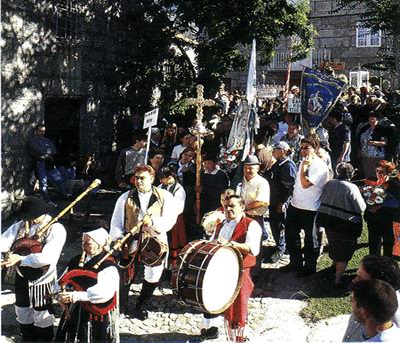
[[341, 41], [58, 60]]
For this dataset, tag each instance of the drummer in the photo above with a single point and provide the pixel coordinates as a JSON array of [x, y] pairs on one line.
[[211, 219], [156, 209], [244, 234]]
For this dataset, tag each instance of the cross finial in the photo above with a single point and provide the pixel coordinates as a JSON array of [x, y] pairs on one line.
[[200, 102]]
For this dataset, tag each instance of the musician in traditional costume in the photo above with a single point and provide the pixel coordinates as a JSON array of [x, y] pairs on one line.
[[177, 235], [244, 234], [90, 311], [155, 210], [36, 272]]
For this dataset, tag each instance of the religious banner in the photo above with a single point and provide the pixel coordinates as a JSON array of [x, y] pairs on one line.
[[237, 136], [318, 96]]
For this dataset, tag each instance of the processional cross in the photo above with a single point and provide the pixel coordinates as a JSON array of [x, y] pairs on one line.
[[199, 131]]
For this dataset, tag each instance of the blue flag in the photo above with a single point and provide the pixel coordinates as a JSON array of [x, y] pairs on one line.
[[318, 96]]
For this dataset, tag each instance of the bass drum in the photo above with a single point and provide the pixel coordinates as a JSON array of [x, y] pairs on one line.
[[208, 277]]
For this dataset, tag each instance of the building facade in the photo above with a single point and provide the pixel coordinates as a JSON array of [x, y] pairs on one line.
[[341, 42]]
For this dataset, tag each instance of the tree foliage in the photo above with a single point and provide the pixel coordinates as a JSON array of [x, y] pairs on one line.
[[218, 33]]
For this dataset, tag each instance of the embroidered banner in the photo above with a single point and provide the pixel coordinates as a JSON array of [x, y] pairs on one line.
[[318, 96]]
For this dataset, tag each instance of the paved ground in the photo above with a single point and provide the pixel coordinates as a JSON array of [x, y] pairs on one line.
[[274, 310]]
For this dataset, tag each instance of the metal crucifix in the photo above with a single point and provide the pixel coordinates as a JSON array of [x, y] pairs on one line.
[[199, 131]]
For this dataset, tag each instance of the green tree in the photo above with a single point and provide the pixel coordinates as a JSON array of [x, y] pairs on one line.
[[382, 15], [217, 32], [223, 28]]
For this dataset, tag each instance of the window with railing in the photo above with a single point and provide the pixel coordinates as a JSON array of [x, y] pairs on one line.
[[366, 37], [67, 20]]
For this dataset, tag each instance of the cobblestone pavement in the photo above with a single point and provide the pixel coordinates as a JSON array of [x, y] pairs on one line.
[[274, 309]]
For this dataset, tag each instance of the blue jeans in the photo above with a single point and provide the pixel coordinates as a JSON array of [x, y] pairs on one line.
[[51, 174]]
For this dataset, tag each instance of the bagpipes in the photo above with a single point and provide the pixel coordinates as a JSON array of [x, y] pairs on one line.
[[81, 280], [31, 245]]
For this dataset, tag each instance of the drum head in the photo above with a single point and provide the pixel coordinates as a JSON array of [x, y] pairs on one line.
[[221, 280]]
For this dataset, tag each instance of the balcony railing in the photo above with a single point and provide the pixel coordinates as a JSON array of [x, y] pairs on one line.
[[315, 58]]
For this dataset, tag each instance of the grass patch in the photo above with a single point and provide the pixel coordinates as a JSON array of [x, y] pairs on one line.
[[326, 300]]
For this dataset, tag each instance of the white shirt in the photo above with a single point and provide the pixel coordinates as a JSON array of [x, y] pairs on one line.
[[309, 198], [176, 152], [253, 235], [105, 288], [179, 196], [256, 189], [389, 335], [162, 223], [52, 247]]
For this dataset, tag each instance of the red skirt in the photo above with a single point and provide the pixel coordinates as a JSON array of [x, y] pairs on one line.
[[236, 315], [176, 240]]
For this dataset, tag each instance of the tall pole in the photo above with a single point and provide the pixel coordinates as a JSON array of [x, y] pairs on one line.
[[199, 131]]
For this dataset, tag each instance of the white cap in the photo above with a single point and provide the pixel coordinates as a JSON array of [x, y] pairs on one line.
[[100, 236]]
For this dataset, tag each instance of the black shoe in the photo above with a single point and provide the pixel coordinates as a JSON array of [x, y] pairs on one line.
[[211, 333], [140, 314], [291, 267], [306, 272]]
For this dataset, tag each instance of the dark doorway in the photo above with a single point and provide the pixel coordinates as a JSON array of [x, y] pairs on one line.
[[62, 118]]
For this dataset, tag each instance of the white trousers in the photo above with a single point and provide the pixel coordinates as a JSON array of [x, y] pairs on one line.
[[27, 315]]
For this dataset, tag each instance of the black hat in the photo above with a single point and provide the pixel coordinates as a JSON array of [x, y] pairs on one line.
[[33, 208], [251, 160]]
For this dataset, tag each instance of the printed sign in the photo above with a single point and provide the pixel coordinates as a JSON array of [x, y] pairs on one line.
[[294, 105], [267, 93], [150, 118]]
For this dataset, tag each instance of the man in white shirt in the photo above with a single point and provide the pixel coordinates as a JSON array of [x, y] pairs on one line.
[[243, 234], [254, 189], [36, 273], [156, 209], [310, 180]]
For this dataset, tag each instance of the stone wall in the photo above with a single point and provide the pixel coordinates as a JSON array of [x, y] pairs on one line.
[[337, 31], [41, 61]]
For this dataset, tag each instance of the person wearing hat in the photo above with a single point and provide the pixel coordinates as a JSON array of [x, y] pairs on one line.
[[155, 208], [281, 179], [254, 189], [255, 192], [34, 285], [78, 324], [130, 157]]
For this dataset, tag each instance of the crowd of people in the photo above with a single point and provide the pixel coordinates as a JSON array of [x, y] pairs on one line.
[[295, 179]]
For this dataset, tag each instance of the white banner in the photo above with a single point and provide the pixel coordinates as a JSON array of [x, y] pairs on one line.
[[150, 118]]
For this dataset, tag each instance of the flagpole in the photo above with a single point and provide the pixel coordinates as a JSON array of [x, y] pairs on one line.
[[289, 70]]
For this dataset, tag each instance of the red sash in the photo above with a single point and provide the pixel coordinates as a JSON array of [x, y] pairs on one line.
[[236, 315]]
